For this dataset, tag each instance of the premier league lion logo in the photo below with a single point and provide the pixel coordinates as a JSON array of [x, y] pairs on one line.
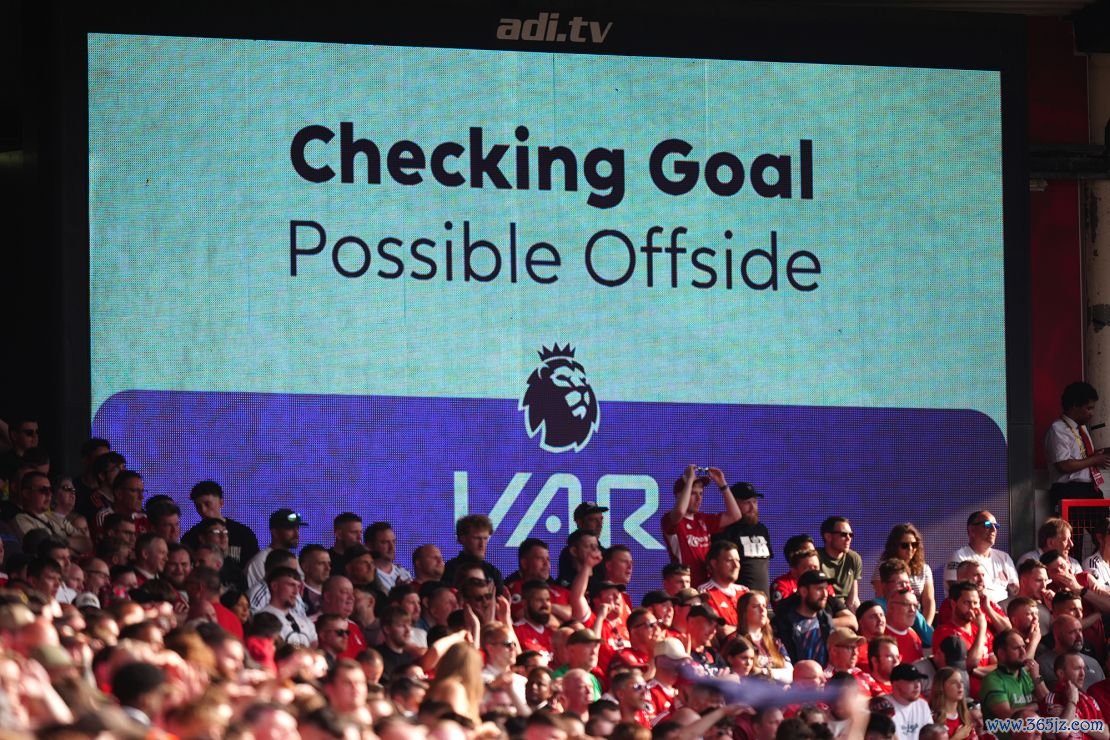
[[559, 404]]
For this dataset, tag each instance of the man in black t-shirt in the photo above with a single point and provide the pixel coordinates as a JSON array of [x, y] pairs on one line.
[[751, 538]]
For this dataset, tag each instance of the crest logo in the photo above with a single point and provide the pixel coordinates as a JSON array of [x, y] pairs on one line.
[[559, 403]]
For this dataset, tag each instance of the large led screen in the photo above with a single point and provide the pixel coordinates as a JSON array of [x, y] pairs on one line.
[[417, 283]]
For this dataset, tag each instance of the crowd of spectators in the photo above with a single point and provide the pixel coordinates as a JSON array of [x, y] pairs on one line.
[[114, 623]]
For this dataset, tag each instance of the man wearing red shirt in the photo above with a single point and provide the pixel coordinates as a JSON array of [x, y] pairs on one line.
[[844, 646], [337, 596], [882, 657], [1074, 704], [722, 590], [203, 587], [630, 691], [533, 630], [902, 610], [801, 555], [607, 620], [969, 624], [687, 530], [644, 631], [534, 563]]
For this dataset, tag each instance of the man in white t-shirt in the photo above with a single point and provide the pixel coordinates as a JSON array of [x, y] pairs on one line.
[[911, 712], [982, 531]]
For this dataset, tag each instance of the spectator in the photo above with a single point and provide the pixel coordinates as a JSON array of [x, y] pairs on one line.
[[151, 554], [805, 625], [1054, 534], [427, 564], [534, 564], [138, 687], [165, 519], [338, 598], [1074, 466], [1001, 575], [839, 562], [208, 499], [347, 529], [127, 501], [911, 712], [801, 556], [902, 608], [969, 624], [948, 702], [315, 564], [754, 622], [473, 533], [752, 538], [1016, 683], [872, 624], [906, 543], [882, 658], [1067, 638], [589, 518], [722, 590], [106, 467], [1067, 693], [382, 541], [687, 529], [285, 590], [285, 534]]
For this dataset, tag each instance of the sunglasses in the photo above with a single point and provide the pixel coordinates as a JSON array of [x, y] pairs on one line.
[[846, 535], [907, 545], [987, 524]]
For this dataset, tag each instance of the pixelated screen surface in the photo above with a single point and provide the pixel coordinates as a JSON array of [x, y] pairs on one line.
[[416, 283]]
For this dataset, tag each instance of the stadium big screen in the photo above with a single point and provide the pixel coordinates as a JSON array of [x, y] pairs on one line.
[[418, 282]]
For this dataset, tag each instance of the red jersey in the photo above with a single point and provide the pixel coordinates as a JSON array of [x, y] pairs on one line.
[[1085, 708], [945, 615], [968, 636], [559, 595], [724, 601], [782, 587], [662, 697], [878, 688], [356, 641], [534, 638], [614, 638], [227, 619], [867, 685], [909, 644], [688, 540]]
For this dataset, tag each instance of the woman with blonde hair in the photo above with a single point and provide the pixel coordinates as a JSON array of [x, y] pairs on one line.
[[458, 681], [948, 702], [906, 543], [754, 623]]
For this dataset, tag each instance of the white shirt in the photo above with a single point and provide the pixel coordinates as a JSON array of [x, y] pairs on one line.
[[997, 564], [1098, 569], [388, 580], [304, 633], [1061, 443], [256, 568], [910, 718]]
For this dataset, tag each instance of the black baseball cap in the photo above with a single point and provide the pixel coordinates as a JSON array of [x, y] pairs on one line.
[[812, 578], [596, 587], [742, 491], [588, 507], [285, 519], [906, 672], [651, 598], [701, 610]]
